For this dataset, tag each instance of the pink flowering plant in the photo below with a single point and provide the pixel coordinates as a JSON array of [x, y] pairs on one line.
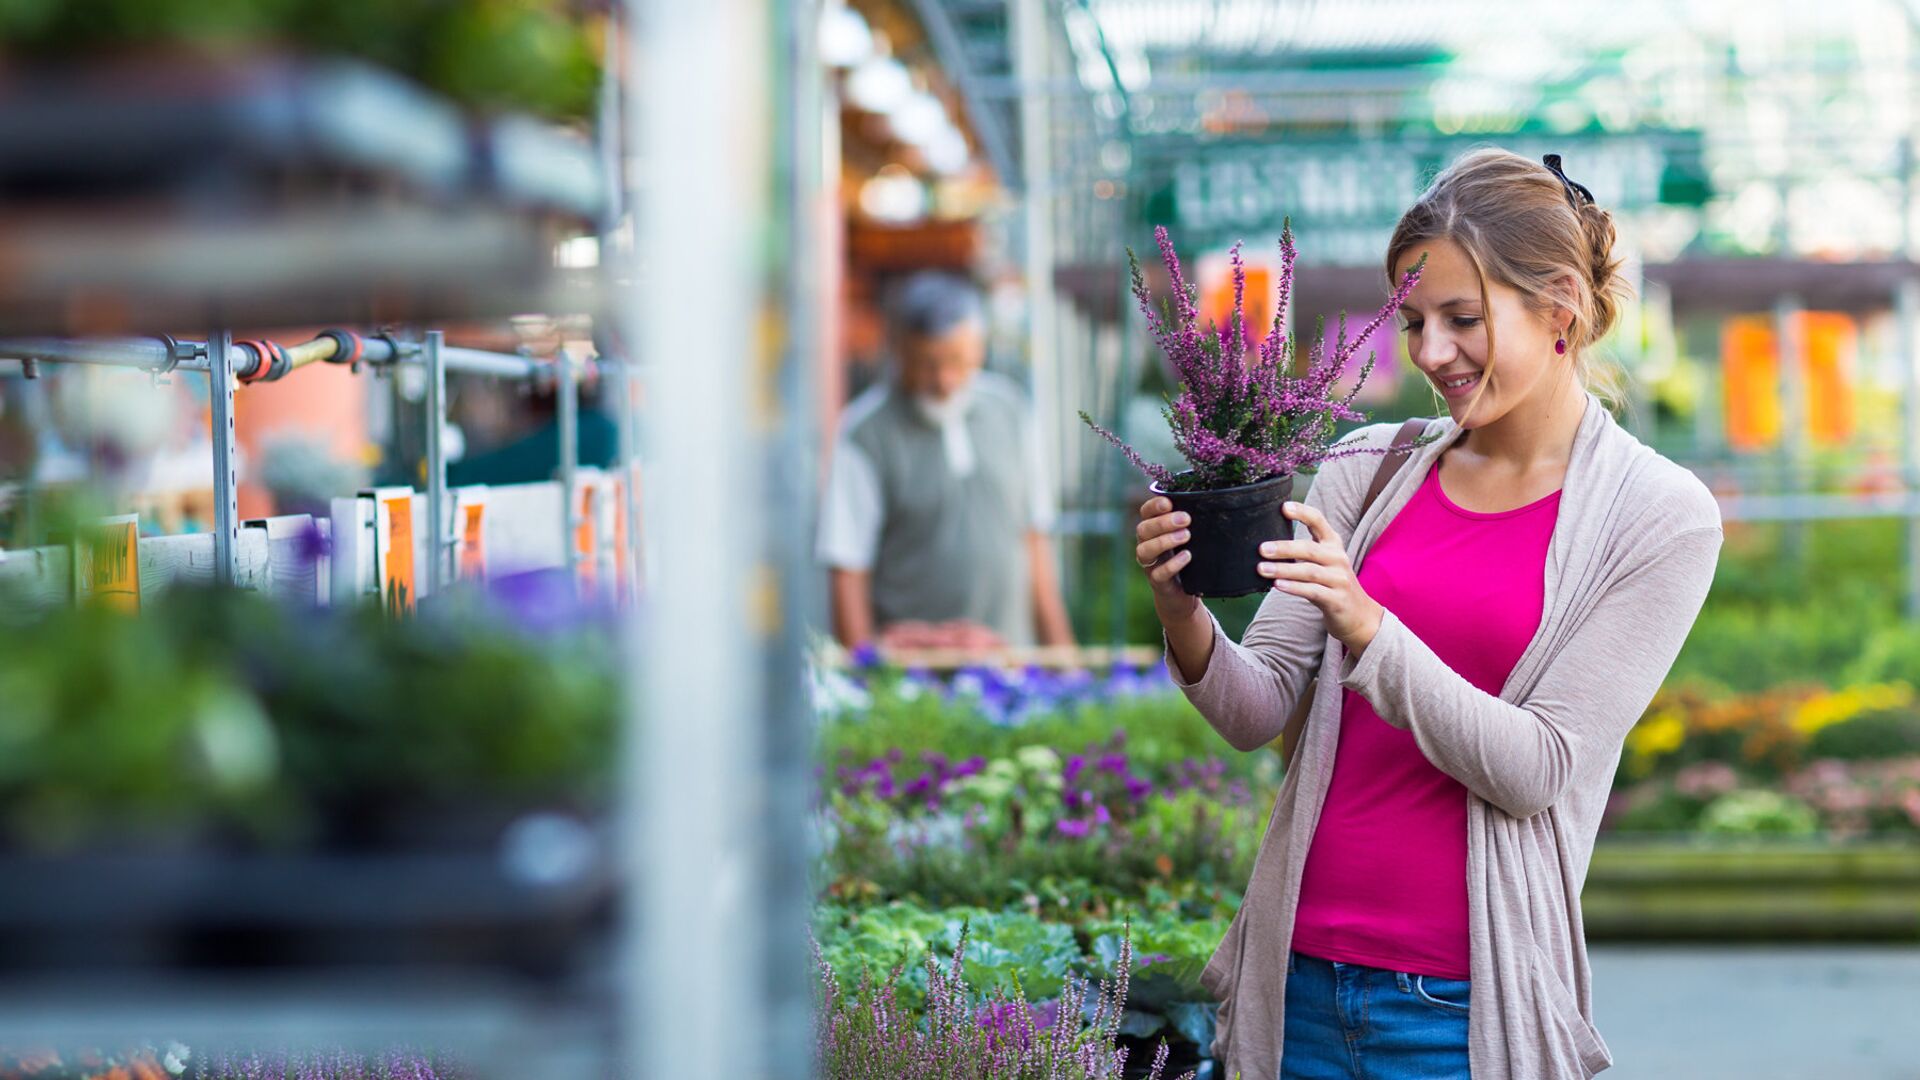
[[1243, 416]]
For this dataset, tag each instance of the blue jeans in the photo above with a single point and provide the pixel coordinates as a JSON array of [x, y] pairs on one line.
[[1353, 1022]]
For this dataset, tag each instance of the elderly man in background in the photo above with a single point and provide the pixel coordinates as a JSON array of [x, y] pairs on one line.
[[935, 525]]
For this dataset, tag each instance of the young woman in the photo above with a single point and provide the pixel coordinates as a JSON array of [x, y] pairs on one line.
[[1484, 636]]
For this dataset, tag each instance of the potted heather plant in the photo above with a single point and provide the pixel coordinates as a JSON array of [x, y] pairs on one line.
[[1246, 420]]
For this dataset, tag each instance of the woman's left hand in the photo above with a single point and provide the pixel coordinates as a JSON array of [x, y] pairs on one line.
[[1323, 574]]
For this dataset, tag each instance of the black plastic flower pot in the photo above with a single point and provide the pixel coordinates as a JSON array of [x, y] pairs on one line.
[[1228, 527]]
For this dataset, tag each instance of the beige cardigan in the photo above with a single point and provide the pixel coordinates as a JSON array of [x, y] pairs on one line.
[[1628, 567]]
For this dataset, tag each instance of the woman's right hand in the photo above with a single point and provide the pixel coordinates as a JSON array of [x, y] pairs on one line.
[[1162, 553]]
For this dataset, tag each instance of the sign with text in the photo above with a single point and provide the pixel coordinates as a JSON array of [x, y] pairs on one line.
[[109, 554], [393, 549], [470, 533], [1344, 197], [586, 548]]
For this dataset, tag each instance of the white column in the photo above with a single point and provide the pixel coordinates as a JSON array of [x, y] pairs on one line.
[[1027, 21], [692, 786]]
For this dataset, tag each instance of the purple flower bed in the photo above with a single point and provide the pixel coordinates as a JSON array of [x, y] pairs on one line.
[[1098, 786], [865, 1031]]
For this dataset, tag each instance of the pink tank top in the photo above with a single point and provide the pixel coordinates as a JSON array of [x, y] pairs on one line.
[[1386, 875]]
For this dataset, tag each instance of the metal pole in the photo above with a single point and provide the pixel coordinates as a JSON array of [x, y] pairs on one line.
[[437, 509], [1793, 442], [1027, 20], [1633, 351], [226, 507], [567, 393], [789, 468]]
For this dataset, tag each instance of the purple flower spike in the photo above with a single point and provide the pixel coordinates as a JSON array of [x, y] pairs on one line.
[[1242, 417]]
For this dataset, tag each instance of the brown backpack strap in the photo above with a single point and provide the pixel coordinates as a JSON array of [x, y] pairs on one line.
[[1390, 463]]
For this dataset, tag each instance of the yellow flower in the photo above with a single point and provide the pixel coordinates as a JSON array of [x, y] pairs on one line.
[[1826, 710], [1658, 734]]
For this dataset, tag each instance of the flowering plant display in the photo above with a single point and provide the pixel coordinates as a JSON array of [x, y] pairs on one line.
[[1242, 416]]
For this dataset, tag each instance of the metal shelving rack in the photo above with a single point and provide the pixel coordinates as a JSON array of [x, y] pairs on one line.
[[468, 950], [95, 940], [703, 970]]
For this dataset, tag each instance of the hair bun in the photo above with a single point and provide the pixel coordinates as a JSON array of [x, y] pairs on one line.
[[1610, 290]]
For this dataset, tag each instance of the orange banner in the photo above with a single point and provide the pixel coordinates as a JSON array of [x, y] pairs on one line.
[[585, 545], [1828, 347], [473, 541], [397, 587], [1830, 344], [1216, 296]]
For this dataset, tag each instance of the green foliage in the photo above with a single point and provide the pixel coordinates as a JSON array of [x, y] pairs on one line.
[[1870, 736], [1748, 647], [224, 710], [1007, 950], [1753, 812], [1805, 610], [1891, 653], [533, 55], [1161, 730], [1656, 808]]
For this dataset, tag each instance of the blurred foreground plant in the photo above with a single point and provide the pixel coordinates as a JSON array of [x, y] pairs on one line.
[[224, 713]]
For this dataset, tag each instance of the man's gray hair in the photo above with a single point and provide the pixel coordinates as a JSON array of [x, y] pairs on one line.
[[931, 302]]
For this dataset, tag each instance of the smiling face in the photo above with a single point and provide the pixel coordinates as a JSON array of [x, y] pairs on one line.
[[1449, 340]]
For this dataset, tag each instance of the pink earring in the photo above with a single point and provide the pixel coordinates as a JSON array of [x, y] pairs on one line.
[[1560, 347]]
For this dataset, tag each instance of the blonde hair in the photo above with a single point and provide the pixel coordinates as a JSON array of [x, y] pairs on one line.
[[1518, 224]]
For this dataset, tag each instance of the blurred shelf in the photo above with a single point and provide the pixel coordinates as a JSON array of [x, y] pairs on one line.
[[193, 912], [1696, 890], [98, 273], [1740, 285], [176, 192], [1696, 284], [499, 1028]]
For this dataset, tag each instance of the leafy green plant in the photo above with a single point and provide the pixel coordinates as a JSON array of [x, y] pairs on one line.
[[536, 55], [1876, 735], [1193, 837], [1758, 813], [220, 711]]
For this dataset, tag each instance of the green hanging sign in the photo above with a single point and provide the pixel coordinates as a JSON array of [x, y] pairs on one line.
[[1345, 196]]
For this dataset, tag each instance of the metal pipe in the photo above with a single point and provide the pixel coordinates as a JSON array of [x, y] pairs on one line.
[[382, 349], [498, 365], [436, 408], [318, 350], [157, 355], [226, 509], [567, 395], [145, 353]]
